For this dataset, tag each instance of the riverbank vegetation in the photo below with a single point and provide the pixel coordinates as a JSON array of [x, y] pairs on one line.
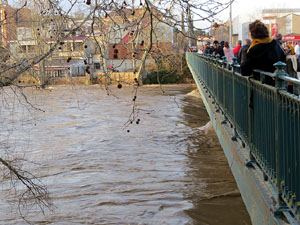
[[170, 70]]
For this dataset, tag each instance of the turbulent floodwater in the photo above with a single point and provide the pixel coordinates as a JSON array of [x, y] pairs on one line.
[[168, 169]]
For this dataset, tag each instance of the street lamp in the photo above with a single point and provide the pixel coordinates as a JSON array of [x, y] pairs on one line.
[[230, 25]]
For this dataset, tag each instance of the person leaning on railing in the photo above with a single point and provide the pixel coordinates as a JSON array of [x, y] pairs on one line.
[[297, 52], [291, 65], [243, 51], [262, 53]]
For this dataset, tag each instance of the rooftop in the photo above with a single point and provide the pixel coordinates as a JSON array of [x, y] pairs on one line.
[[281, 10]]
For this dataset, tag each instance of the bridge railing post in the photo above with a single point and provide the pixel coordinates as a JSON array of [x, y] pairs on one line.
[[224, 65], [279, 155], [234, 69]]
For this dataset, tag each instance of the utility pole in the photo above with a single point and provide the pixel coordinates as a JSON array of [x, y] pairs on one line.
[[3, 3], [230, 25], [190, 27]]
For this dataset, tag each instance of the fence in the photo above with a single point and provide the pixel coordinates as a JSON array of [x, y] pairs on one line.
[[264, 117]]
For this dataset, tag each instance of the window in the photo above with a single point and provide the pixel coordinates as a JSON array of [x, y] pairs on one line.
[[31, 48], [17, 17], [288, 22], [22, 49], [78, 46], [97, 66], [116, 51]]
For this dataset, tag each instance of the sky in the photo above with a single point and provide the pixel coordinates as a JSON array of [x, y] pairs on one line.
[[248, 6], [253, 6], [238, 7]]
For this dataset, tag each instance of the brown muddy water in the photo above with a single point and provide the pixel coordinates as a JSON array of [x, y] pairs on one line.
[[167, 170]]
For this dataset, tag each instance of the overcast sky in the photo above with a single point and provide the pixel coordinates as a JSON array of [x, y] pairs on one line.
[[239, 7], [245, 6], [252, 6]]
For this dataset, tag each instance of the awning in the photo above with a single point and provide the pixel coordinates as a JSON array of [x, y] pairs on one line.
[[291, 38]]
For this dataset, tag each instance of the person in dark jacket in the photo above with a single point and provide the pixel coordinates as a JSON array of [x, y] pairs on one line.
[[217, 49], [214, 48], [220, 50], [263, 51], [243, 51], [207, 48]]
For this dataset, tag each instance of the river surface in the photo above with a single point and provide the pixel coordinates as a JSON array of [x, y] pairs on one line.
[[168, 169]]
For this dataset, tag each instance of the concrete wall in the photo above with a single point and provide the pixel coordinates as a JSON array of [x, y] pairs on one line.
[[296, 24], [125, 65], [116, 77], [294, 20], [281, 25]]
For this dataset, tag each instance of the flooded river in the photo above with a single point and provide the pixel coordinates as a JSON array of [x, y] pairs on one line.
[[168, 169]]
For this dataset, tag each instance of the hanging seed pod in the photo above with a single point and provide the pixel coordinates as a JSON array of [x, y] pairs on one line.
[[88, 2], [69, 59], [87, 69], [119, 86]]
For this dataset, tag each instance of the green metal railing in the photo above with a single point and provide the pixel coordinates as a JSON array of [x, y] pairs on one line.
[[264, 117]]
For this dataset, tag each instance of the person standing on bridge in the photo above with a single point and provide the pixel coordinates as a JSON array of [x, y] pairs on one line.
[[263, 51], [207, 48], [243, 52], [217, 49], [297, 52], [237, 48], [228, 52]]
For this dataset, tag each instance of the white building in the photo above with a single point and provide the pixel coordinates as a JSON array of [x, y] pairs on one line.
[[240, 26]]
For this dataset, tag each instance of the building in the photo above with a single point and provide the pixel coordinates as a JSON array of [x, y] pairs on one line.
[[284, 21], [288, 24], [117, 42], [240, 26], [126, 41]]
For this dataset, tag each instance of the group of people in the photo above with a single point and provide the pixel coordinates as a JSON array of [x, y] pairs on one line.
[[261, 53], [223, 49]]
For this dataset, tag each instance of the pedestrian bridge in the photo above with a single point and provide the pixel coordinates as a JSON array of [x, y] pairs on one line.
[[258, 126]]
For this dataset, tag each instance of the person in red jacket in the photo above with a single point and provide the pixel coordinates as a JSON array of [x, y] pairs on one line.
[[237, 48]]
